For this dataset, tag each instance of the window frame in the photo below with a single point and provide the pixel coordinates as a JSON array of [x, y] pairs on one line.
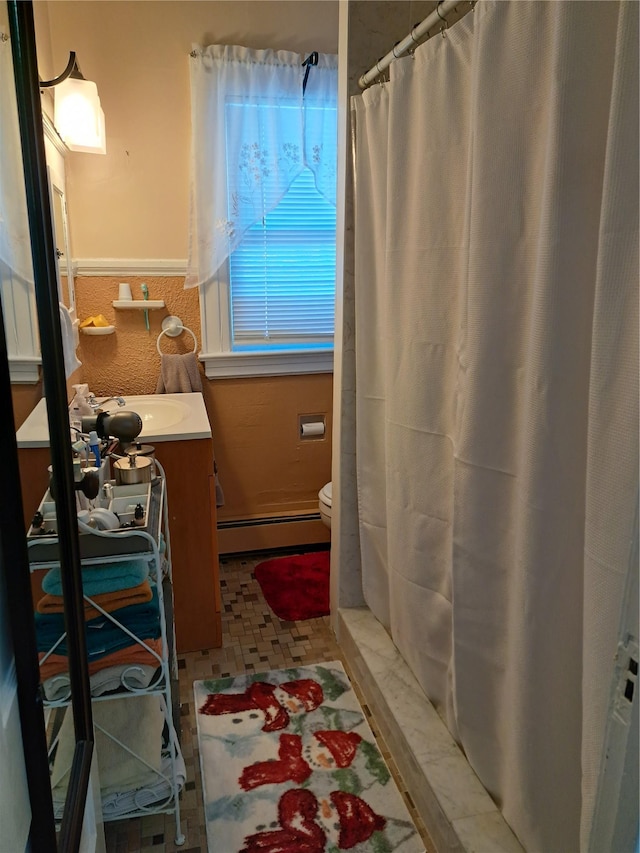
[[221, 362]]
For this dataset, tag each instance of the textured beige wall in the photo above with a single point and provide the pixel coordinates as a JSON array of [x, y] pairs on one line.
[[133, 202], [265, 468], [127, 362]]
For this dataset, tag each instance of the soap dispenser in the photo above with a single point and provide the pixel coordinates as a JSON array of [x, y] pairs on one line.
[[79, 406]]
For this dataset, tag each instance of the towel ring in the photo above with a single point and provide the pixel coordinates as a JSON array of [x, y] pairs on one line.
[[172, 326]]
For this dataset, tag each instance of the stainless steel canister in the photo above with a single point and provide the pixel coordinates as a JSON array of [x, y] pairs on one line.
[[137, 450], [132, 470], [146, 450]]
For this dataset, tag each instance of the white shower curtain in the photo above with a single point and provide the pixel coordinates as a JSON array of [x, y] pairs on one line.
[[497, 385]]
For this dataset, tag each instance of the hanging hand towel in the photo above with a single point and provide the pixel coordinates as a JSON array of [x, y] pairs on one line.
[[69, 343], [179, 374]]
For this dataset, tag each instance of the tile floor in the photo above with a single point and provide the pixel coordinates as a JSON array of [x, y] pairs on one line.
[[253, 639]]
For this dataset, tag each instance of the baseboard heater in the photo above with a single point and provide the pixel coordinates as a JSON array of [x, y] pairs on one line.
[[258, 522], [271, 532]]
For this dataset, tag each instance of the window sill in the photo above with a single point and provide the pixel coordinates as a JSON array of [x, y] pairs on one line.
[[230, 364]]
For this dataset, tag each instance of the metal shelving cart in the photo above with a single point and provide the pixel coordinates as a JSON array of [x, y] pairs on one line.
[[150, 544]]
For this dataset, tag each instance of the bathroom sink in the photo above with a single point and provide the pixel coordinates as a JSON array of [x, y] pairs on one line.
[[165, 417], [156, 414]]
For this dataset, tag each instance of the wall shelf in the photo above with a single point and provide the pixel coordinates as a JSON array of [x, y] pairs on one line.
[[98, 330], [140, 304]]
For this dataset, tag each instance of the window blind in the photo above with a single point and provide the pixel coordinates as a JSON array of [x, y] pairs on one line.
[[282, 275]]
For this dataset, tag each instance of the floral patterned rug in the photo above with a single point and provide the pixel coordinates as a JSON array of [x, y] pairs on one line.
[[290, 765]]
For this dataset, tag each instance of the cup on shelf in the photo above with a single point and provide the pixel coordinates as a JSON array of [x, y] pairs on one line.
[[124, 291]]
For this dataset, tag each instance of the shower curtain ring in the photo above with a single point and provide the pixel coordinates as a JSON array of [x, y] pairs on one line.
[[444, 21], [393, 51]]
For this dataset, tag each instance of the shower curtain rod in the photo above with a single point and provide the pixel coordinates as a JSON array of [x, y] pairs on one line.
[[438, 15]]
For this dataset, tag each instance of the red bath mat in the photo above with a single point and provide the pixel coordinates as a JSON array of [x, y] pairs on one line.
[[296, 587]]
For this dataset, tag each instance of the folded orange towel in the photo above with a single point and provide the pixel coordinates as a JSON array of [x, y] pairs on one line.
[[109, 601], [56, 664]]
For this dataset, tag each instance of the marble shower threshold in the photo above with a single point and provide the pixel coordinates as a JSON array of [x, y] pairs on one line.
[[459, 814]]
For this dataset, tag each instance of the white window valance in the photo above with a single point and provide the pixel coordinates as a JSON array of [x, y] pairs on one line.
[[245, 154]]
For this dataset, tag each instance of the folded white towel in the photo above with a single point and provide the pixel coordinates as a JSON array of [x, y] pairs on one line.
[[136, 722], [122, 803], [135, 677]]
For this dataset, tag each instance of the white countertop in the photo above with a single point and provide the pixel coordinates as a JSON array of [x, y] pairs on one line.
[[165, 417]]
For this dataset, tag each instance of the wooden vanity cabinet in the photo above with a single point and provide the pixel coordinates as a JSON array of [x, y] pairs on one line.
[[33, 463], [34, 479], [194, 546]]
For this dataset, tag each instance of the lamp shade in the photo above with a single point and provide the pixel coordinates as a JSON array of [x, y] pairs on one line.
[[78, 116]]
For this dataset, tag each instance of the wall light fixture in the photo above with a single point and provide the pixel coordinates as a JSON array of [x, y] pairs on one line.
[[78, 116]]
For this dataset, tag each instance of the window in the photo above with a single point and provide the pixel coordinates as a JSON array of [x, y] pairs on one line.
[[282, 275], [263, 241]]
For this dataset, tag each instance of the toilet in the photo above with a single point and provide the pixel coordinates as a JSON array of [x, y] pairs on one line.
[[324, 502]]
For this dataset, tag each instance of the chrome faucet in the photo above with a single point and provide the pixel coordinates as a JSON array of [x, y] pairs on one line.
[[96, 404]]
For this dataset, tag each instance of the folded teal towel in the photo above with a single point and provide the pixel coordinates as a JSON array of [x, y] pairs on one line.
[[103, 636], [106, 577]]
